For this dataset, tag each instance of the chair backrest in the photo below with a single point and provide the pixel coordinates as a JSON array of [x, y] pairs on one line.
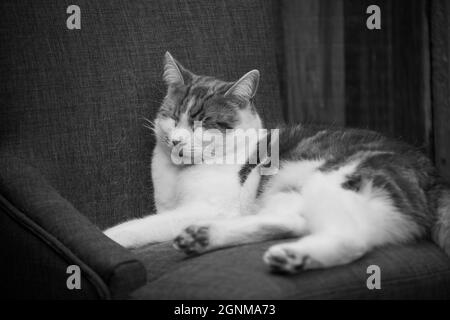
[[72, 100]]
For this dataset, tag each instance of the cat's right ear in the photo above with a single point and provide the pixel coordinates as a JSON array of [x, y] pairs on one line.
[[174, 72], [245, 88]]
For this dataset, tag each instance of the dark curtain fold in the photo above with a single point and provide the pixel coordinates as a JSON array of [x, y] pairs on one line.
[[339, 72]]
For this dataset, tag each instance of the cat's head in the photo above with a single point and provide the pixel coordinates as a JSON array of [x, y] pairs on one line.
[[214, 103]]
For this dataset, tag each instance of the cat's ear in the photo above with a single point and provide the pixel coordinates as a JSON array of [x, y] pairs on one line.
[[174, 72], [245, 88]]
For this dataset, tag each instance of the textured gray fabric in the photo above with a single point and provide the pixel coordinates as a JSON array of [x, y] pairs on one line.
[[416, 271], [32, 269], [72, 100], [28, 199], [71, 104]]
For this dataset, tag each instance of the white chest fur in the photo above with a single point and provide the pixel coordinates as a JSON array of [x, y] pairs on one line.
[[215, 185], [164, 176]]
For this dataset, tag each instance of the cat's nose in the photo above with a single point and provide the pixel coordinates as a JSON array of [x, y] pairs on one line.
[[175, 142]]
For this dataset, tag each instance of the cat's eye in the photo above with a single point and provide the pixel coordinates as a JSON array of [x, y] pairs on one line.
[[204, 121], [196, 113], [174, 118], [224, 125]]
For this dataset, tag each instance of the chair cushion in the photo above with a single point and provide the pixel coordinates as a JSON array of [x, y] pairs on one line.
[[415, 271]]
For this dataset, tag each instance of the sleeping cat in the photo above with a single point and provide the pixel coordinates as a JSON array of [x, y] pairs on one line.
[[338, 193]]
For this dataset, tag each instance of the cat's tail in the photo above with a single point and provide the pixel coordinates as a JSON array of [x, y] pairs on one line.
[[441, 228]]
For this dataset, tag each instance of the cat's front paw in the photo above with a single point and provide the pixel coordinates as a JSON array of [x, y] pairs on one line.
[[286, 259], [123, 237], [193, 239]]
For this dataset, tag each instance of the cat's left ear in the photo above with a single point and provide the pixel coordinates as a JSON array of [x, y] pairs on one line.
[[246, 87], [174, 72]]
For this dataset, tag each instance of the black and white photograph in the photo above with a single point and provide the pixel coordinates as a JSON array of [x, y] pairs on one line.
[[225, 155]]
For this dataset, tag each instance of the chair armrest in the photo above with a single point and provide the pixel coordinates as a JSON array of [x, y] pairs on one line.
[[27, 198]]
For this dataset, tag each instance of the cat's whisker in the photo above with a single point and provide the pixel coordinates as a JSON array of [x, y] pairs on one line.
[[155, 101], [149, 124], [149, 121], [148, 127], [156, 134]]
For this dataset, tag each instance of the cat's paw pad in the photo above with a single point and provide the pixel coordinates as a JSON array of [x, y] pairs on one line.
[[282, 258], [193, 239]]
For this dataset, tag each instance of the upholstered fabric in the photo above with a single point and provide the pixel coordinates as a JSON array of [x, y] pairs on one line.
[[71, 105], [32, 269], [416, 271], [72, 101], [32, 209]]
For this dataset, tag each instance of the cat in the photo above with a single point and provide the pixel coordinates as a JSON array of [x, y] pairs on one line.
[[338, 193]]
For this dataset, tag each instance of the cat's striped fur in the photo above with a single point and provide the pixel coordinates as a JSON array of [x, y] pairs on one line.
[[339, 192], [404, 172]]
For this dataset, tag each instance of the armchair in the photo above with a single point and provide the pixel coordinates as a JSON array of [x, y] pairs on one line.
[[75, 158]]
